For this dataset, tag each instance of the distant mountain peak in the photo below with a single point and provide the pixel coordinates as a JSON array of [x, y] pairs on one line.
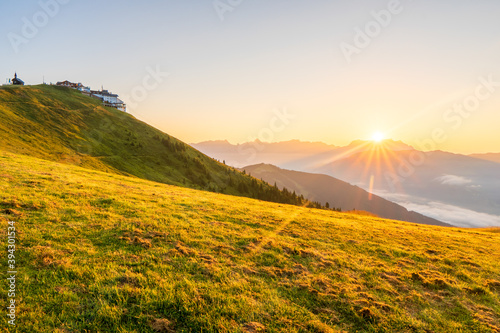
[[387, 143], [277, 143], [213, 142]]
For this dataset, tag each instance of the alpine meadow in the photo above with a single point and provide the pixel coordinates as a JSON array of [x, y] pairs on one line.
[[105, 248], [231, 166]]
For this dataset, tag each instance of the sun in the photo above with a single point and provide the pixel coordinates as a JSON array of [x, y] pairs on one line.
[[377, 137]]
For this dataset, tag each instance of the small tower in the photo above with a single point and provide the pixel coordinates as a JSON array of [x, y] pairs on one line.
[[16, 81]]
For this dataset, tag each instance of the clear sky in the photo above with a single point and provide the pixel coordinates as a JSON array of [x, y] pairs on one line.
[[227, 77]]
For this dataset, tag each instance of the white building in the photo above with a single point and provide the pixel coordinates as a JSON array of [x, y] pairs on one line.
[[79, 86], [84, 89], [109, 99]]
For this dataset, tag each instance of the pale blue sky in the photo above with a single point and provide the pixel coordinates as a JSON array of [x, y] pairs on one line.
[[226, 77]]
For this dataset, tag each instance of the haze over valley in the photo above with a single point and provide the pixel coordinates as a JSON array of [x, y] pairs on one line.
[[457, 189]]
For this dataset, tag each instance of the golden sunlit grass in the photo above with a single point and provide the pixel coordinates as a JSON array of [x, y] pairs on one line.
[[107, 253], [492, 229], [361, 212]]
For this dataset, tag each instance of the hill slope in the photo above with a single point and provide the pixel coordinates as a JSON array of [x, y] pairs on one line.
[[323, 188], [62, 125], [493, 157], [105, 253]]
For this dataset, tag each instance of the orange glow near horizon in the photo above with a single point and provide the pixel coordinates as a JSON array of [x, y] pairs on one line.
[[370, 189], [374, 157]]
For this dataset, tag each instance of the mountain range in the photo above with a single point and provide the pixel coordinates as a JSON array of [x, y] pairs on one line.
[[278, 153], [453, 188], [293, 154]]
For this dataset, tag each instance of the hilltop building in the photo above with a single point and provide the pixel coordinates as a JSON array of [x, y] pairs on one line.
[[17, 81], [107, 98], [77, 86], [69, 84]]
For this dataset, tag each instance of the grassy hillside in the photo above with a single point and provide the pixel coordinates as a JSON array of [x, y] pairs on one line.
[[108, 253], [62, 125]]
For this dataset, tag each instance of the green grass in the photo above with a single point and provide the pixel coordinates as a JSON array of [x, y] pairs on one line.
[[62, 125], [101, 252]]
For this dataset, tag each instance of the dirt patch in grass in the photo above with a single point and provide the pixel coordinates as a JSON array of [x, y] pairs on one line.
[[130, 279], [393, 278], [162, 325], [10, 204], [141, 238], [383, 306], [432, 279], [296, 270], [249, 270], [484, 315], [367, 314], [144, 242], [475, 291], [311, 254], [438, 283], [253, 327], [207, 259], [471, 263], [318, 326], [184, 250], [12, 212], [325, 263], [49, 257], [493, 285], [405, 263], [417, 277], [15, 204]]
